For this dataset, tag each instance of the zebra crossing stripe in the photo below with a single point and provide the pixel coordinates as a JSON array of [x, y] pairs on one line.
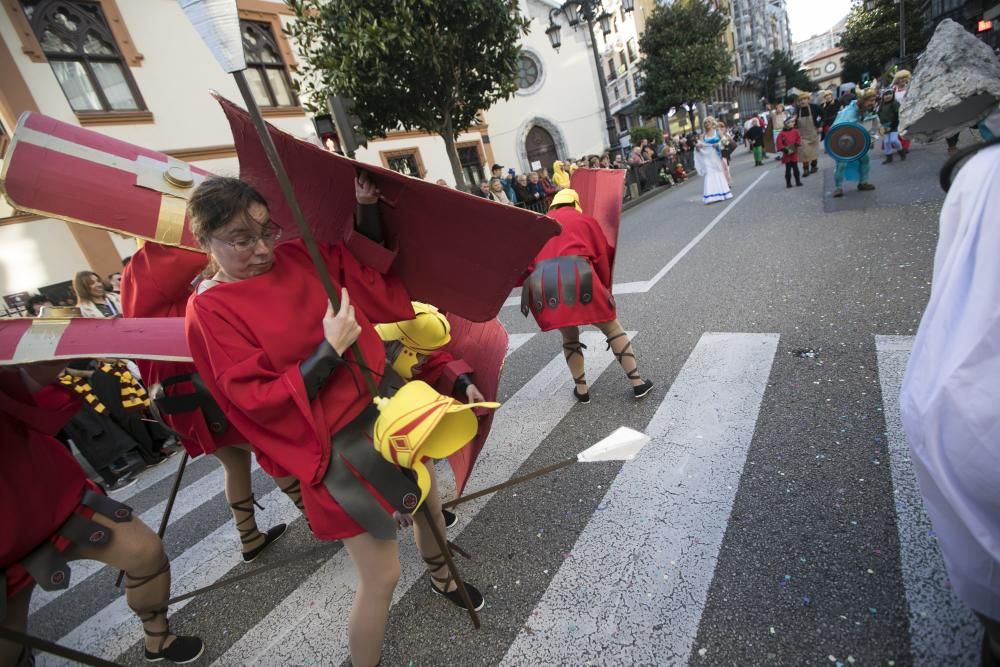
[[517, 340], [311, 623], [942, 629], [635, 584]]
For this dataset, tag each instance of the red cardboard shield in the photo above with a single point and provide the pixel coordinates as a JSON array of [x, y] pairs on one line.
[[601, 192], [484, 347], [25, 340], [460, 252]]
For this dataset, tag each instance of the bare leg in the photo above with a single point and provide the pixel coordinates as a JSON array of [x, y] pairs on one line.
[[377, 562], [236, 464], [621, 346], [573, 351], [292, 488], [135, 548], [16, 619]]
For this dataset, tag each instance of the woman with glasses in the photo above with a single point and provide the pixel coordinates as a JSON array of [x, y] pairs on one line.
[[279, 361]]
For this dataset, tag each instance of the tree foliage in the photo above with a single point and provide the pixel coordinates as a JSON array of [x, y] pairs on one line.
[[871, 39], [415, 64], [781, 64], [685, 55]]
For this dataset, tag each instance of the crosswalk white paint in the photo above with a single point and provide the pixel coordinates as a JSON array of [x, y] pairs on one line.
[[643, 286], [189, 499], [642, 599], [942, 629], [517, 340], [312, 621]]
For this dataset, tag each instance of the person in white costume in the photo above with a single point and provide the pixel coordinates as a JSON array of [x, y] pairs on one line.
[[708, 162], [950, 400]]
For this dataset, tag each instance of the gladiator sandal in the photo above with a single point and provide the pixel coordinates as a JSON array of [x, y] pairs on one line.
[[638, 390], [183, 649], [436, 563], [570, 349], [294, 493], [251, 534]]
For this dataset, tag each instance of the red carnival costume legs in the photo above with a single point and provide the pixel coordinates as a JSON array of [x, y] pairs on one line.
[[61, 516], [569, 286], [157, 283]]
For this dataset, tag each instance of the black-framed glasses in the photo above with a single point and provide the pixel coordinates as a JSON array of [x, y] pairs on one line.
[[246, 244]]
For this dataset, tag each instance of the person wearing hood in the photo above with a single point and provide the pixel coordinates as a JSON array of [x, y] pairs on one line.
[[560, 177]]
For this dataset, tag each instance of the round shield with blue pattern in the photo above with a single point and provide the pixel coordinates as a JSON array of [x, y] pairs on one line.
[[847, 142]]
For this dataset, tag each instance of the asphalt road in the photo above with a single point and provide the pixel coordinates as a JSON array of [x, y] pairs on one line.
[[772, 520]]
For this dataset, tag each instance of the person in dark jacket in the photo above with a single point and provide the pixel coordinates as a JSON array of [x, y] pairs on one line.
[[888, 116], [828, 111], [525, 195], [755, 135]]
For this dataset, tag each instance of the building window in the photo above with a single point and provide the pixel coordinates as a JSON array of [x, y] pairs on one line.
[[632, 51], [266, 71], [472, 164], [618, 93], [84, 56], [612, 70], [406, 161], [527, 71], [628, 88], [638, 83], [622, 124]]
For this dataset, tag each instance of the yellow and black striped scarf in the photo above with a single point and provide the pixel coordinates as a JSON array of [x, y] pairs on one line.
[[133, 393]]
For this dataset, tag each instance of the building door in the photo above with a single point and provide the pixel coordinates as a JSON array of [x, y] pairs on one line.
[[540, 148]]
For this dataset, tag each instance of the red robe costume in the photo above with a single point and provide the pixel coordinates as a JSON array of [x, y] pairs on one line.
[[581, 236], [41, 484], [789, 139], [157, 283], [247, 339]]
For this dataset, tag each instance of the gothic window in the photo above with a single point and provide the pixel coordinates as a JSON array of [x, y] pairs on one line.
[[528, 70], [83, 54], [266, 71]]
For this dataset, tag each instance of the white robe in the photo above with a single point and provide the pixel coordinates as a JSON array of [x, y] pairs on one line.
[[708, 162], [950, 399]]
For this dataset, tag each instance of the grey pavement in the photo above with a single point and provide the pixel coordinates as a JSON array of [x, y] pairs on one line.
[[772, 520]]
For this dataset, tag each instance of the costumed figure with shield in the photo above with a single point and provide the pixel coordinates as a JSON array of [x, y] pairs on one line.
[[571, 277], [848, 142]]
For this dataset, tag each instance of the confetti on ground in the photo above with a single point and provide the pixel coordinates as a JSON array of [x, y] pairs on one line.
[[831, 658], [872, 610], [702, 652], [772, 630], [806, 600]]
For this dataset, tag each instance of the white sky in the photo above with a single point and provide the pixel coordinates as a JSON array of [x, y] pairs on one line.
[[810, 17]]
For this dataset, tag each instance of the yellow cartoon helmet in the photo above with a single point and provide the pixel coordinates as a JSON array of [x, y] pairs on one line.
[[429, 331], [418, 422], [566, 196]]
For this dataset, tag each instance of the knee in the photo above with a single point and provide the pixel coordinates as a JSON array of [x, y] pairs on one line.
[[143, 553], [382, 581]]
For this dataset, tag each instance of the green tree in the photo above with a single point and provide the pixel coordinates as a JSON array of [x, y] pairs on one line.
[[871, 39], [410, 64], [782, 65], [685, 56]]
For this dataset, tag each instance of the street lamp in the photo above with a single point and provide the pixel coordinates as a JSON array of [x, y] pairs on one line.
[[588, 11]]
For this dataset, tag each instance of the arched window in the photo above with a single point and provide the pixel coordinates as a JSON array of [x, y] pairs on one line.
[[528, 70], [84, 55], [266, 72]]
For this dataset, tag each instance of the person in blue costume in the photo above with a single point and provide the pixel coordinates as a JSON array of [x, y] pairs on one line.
[[859, 111]]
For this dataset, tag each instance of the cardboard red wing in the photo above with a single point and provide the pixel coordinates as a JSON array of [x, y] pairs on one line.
[[484, 347], [25, 340], [601, 192], [462, 253], [67, 172]]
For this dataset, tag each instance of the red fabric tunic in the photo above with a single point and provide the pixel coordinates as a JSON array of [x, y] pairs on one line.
[[786, 139], [41, 483], [581, 236], [157, 283], [248, 339], [441, 370]]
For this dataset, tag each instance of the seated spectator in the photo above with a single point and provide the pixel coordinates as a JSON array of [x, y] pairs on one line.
[[680, 175], [605, 161], [595, 162], [497, 192], [506, 182], [619, 162], [92, 297], [524, 194], [547, 184], [483, 190], [535, 186], [35, 304], [115, 282]]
